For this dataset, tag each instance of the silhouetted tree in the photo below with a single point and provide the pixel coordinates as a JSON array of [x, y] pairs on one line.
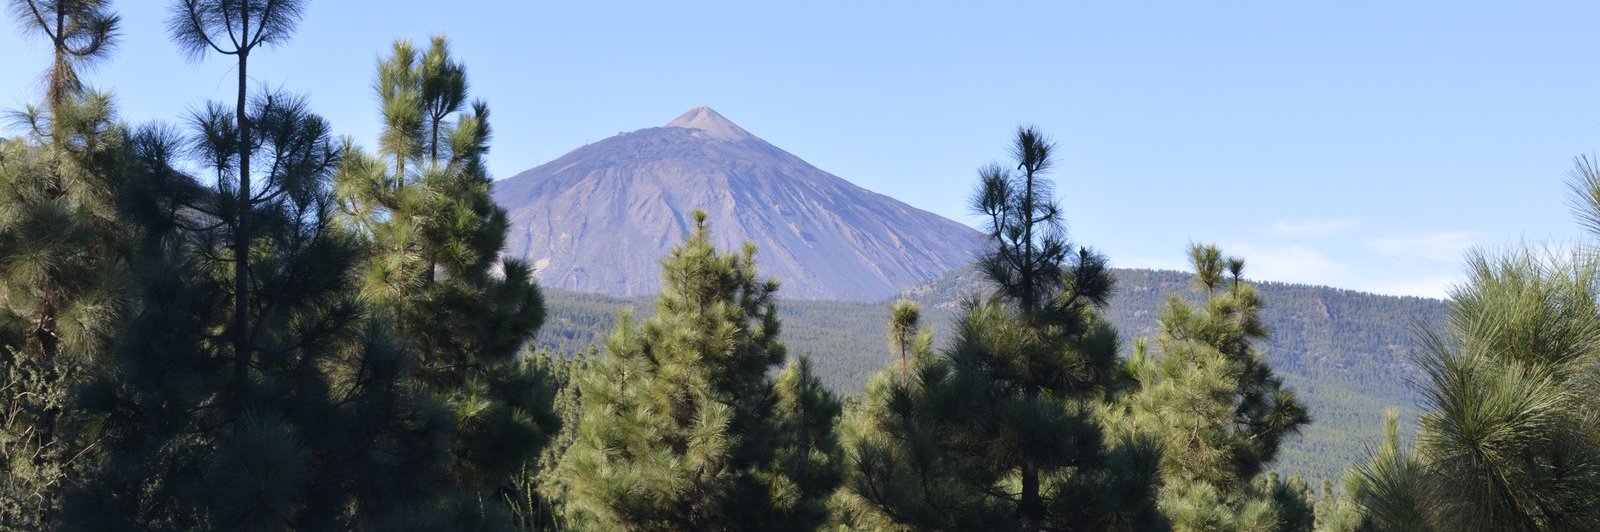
[[236, 28]]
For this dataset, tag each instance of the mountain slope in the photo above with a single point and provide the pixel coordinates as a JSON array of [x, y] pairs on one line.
[[599, 218]]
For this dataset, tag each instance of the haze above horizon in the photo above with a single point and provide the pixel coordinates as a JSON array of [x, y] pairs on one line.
[[1364, 145]]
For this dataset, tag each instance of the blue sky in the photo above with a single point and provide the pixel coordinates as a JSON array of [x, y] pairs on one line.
[[1357, 144]]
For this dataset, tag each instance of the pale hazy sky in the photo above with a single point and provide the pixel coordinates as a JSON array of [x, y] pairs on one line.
[[1359, 144]]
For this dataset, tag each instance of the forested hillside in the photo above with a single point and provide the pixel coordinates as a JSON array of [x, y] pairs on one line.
[[1347, 353]]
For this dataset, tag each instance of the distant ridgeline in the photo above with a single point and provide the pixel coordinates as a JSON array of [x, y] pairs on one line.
[[1347, 353]]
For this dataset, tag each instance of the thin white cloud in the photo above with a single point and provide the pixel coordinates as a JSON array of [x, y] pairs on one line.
[[1440, 246], [1289, 264], [1434, 286], [1313, 228]]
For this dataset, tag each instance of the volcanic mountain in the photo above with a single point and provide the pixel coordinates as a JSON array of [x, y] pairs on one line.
[[600, 218]]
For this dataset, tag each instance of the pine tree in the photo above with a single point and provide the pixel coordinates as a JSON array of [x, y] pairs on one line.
[[910, 463], [1508, 439], [898, 473], [185, 445], [236, 28], [62, 256], [62, 282], [1037, 346], [434, 236], [1215, 406], [1000, 428], [321, 423], [904, 338], [682, 425], [81, 34], [1509, 435], [1387, 492]]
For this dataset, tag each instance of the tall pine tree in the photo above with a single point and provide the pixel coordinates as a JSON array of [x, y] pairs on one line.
[[1000, 428], [81, 33], [237, 28], [423, 208], [683, 426], [63, 255], [63, 276], [1038, 342]]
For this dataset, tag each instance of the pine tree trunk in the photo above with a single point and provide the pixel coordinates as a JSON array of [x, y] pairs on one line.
[[45, 330], [56, 93], [433, 145], [1030, 510], [241, 233], [904, 378]]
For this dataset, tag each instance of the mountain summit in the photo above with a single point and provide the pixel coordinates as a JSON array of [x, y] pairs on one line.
[[705, 119], [600, 218]]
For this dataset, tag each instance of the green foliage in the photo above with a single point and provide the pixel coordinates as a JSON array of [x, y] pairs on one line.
[[81, 33], [62, 247], [228, 143], [683, 427], [185, 445], [1345, 353], [925, 452], [252, 388], [898, 472], [1000, 428], [1214, 406], [1509, 429], [536, 499], [1509, 439], [1387, 492], [432, 235], [63, 251]]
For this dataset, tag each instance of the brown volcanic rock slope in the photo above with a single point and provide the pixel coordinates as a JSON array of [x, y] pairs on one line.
[[600, 218]]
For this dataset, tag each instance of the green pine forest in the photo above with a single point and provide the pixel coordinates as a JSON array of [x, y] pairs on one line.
[[234, 320], [1348, 354]]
